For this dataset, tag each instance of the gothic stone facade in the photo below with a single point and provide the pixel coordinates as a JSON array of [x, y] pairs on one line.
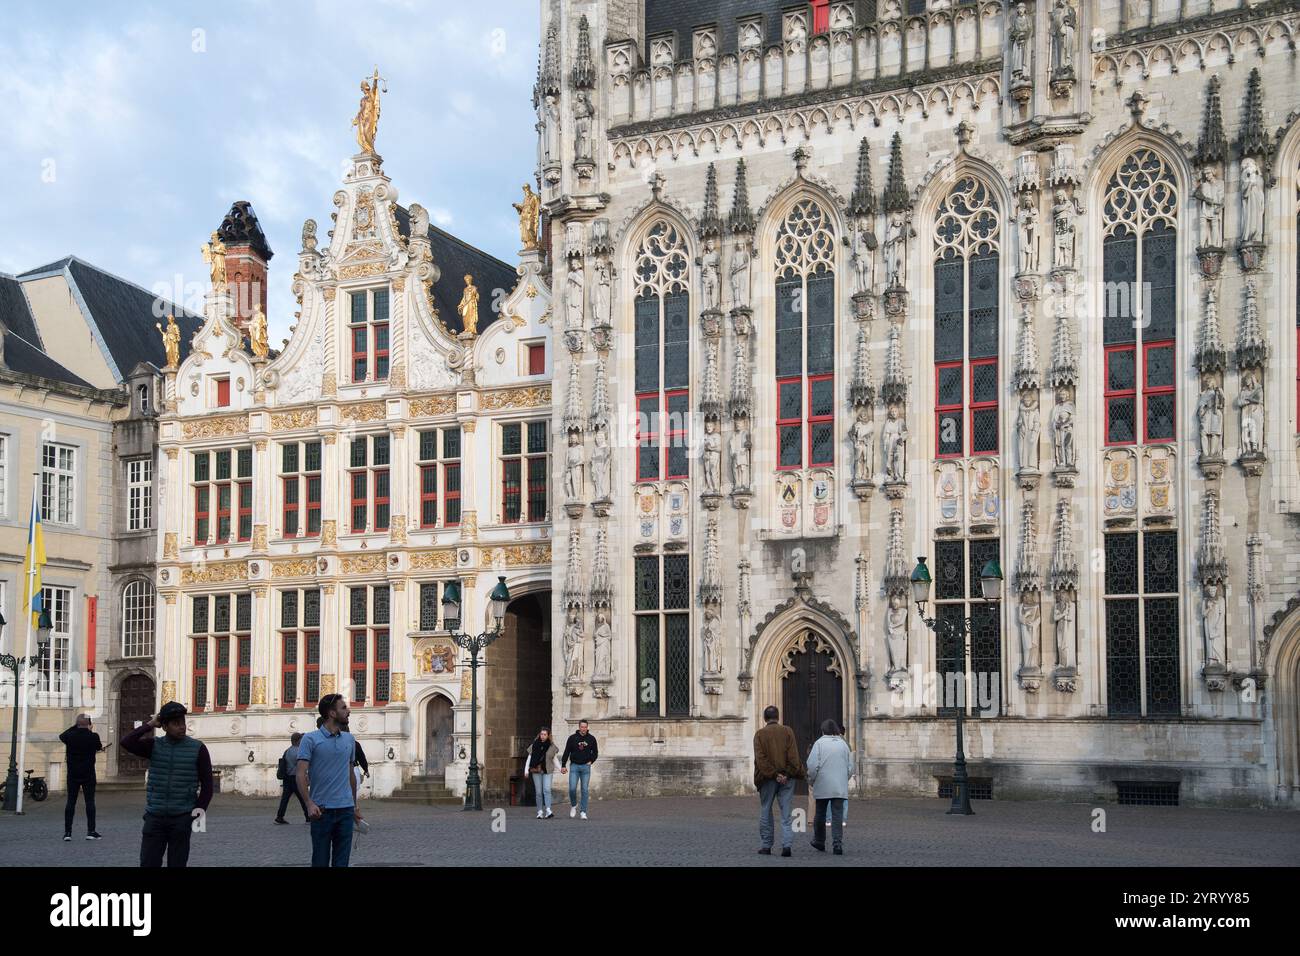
[[843, 284]]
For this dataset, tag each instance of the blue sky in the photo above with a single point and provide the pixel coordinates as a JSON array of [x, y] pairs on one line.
[[129, 128]]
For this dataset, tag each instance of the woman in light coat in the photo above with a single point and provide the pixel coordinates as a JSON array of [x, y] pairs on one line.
[[542, 754], [830, 764]]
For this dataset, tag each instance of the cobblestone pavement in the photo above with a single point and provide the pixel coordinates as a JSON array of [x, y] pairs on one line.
[[717, 831]]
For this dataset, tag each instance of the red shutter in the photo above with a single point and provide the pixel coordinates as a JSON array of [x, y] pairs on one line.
[[537, 360], [223, 392]]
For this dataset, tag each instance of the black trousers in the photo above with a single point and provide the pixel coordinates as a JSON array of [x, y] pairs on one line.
[[287, 790], [169, 833], [87, 787]]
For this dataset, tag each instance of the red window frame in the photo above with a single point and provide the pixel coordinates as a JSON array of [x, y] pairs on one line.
[[313, 505], [1110, 394], [376, 499], [975, 406], [360, 359], [784, 423], [537, 359], [428, 498], [674, 435], [1150, 390], [650, 437], [379, 353], [309, 666], [202, 501], [223, 393], [217, 536], [535, 483], [198, 702], [290, 492], [522, 507], [381, 665], [821, 15], [812, 419], [356, 667], [362, 501], [218, 671], [243, 671], [243, 491], [942, 409], [289, 669], [448, 495]]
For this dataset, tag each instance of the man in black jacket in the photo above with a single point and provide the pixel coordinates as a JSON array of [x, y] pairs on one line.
[[82, 745], [580, 750]]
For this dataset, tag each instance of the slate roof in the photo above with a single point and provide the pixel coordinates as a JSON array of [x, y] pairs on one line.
[[454, 258], [14, 311], [683, 16], [22, 351]]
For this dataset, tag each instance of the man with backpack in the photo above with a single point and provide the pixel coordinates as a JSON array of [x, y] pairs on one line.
[[286, 773]]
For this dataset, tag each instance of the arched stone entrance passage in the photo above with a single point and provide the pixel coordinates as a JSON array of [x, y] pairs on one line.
[[1282, 697], [517, 689], [812, 690]]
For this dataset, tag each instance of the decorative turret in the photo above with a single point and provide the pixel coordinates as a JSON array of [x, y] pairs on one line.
[[1027, 374], [711, 576], [548, 74], [862, 393], [1252, 346], [1065, 368], [897, 575], [711, 391], [573, 417], [894, 388], [1254, 141], [1211, 560], [599, 396], [710, 220], [1210, 355], [896, 196], [574, 594], [584, 73], [863, 201], [1027, 576], [599, 593], [247, 256], [1064, 572], [1213, 145], [741, 218], [741, 381]]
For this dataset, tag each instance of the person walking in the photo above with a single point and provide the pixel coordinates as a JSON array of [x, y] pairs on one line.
[[581, 750], [179, 786], [541, 766], [326, 757], [776, 768], [362, 768], [287, 771], [81, 744], [830, 764]]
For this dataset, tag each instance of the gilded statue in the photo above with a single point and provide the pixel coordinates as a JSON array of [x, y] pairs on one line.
[[171, 337], [214, 254], [468, 307], [367, 118], [257, 334], [529, 209]]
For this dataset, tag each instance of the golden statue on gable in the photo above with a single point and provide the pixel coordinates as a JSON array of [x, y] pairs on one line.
[[214, 254], [257, 334], [171, 337], [529, 213], [468, 307], [367, 118]]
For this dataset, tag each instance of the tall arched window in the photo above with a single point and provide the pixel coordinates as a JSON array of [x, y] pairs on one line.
[[663, 358], [805, 338], [1139, 299], [966, 236], [137, 619]]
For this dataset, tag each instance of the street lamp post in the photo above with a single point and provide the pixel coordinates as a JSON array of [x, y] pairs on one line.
[[500, 597], [991, 591], [43, 628]]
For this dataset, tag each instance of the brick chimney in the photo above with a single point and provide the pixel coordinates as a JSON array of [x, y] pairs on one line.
[[247, 255]]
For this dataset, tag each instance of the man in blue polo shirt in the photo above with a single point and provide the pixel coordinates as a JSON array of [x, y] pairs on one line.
[[325, 759]]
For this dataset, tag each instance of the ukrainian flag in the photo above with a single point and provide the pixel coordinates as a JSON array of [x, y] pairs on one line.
[[35, 561]]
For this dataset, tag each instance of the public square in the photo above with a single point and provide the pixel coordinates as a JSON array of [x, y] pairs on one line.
[[682, 831]]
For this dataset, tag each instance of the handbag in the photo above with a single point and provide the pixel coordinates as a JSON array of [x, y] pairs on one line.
[[282, 770]]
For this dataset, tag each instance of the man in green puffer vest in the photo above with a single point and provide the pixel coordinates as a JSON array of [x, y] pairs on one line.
[[178, 788]]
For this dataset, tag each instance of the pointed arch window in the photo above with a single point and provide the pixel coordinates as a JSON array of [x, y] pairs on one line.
[[1139, 299], [967, 234], [661, 279], [805, 338]]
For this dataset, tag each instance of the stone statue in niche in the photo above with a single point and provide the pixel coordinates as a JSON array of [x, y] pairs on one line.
[[899, 230], [583, 112], [863, 435], [894, 445], [1021, 33], [551, 132], [1064, 208], [741, 259], [1064, 27], [896, 631], [600, 464], [603, 636], [1209, 413], [710, 275], [1251, 404], [864, 257], [1063, 429], [572, 647], [1214, 624], [1028, 426], [1252, 201], [604, 282], [1027, 232], [1210, 193], [1063, 619], [573, 463], [711, 457], [1028, 616], [740, 451], [573, 300], [711, 638]]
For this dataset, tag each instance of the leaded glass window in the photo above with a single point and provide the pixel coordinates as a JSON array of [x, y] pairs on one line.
[[967, 238], [971, 680], [661, 315], [1142, 639], [805, 337], [662, 596], [1139, 299]]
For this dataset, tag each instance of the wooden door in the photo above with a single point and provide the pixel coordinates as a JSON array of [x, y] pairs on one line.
[[438, 737], [811, 693], [134, 706]]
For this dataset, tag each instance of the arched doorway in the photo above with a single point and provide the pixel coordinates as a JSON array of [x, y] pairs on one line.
[[439, 739], [1283, 700], [135, 700], [517, 697], [812, 690]]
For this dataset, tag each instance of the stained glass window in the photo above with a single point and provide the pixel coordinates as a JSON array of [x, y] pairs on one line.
[[1142, 624], [662, 354]]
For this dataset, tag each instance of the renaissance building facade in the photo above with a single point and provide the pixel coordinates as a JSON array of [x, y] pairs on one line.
[[841, 284], [319, 502]]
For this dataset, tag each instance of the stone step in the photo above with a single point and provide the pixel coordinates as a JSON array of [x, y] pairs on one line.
[[121, 785], [424, 800]]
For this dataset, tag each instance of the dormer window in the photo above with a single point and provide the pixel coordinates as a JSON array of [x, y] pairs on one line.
[[142, 399], [221, 392], [368, 328]]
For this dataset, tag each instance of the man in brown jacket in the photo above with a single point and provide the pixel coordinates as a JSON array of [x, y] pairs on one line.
[[776, 767]]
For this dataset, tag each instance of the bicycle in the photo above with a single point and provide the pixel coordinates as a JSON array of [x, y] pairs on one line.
[[35, 787]]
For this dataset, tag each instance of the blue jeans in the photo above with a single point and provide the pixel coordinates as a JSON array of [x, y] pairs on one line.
[[333, 831], [836, 808], [767, 793], [579, 772], [542, 788]]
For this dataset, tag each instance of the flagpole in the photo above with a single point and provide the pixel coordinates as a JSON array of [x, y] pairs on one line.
[[27, 645]]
